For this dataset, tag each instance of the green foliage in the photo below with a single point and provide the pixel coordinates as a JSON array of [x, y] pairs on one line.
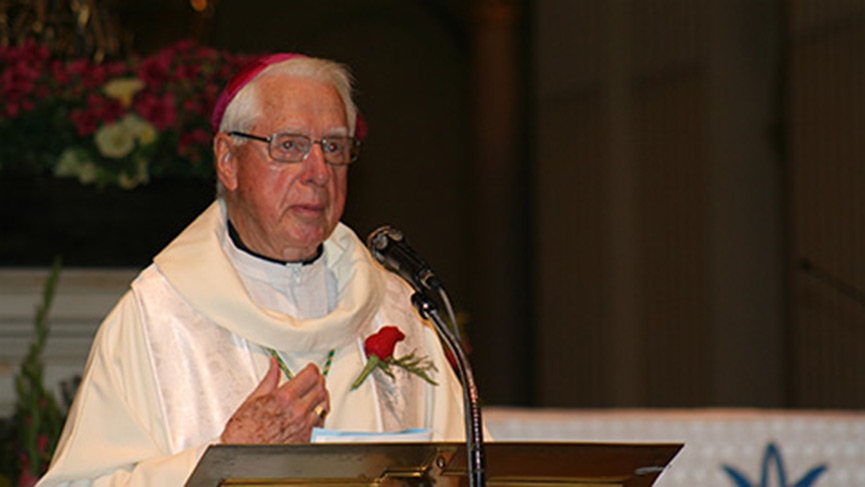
[[418, 365], [31, 436]]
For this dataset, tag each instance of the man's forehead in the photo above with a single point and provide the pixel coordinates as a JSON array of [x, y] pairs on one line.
[[286, 123], [288, 81], [297, 105], [301, 129], [298, 91]]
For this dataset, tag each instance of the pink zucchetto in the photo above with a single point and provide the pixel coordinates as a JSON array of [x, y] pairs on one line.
[[239, 80], [245, 75]]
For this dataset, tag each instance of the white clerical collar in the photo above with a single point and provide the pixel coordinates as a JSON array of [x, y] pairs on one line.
[[238, 242]]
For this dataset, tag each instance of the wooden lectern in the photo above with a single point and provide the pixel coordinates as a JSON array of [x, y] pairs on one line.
[[432, 464]]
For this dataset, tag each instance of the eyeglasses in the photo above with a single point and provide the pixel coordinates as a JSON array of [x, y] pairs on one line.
[[338, 150]]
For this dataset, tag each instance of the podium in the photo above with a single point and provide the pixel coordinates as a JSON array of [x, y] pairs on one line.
[[432, 464]]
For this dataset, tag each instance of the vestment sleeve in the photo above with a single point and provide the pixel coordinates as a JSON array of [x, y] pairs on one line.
[[114, 435]]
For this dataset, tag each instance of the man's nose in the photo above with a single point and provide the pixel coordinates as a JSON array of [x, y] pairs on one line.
[[316, 168]]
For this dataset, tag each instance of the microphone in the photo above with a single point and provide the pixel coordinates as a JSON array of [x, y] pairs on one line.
[[390, 248]]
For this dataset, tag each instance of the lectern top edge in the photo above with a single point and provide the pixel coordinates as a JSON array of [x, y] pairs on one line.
[[439, 464]]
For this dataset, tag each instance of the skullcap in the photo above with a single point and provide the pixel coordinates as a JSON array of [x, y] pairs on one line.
[[241, 79]]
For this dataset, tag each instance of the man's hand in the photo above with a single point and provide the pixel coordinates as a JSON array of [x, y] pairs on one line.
[[284, 414]]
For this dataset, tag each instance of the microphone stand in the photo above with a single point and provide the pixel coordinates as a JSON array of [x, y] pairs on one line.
[[474, 430]]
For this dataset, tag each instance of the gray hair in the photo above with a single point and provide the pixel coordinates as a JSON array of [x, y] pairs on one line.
[[245, 108]]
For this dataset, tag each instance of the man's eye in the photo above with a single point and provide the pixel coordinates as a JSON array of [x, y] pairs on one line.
[[332, 146]]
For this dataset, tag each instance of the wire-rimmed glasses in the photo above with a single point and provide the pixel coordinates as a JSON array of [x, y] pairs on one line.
[[338, 150]]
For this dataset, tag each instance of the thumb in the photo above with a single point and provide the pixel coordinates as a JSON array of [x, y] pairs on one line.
[[268, 382]]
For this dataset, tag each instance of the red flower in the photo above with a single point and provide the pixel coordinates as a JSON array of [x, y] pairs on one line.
[[26, 479], [79, 67], [12, 110], [379, 352], [382, 343], [18, 81], [192, 107], [155, 70], [104, 108], [60, 73], [95, 76], [117, 68], [211, 90], [160, 111], [186, 72], [190, 143], [85, 122], [42, 442], [98, 110]]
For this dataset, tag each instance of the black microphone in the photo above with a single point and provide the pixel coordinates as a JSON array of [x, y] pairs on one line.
[[390, 249]]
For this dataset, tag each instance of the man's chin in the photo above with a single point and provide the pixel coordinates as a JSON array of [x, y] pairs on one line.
[[306, 241]]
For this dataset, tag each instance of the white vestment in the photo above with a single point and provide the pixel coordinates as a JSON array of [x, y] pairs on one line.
[[186, 345]]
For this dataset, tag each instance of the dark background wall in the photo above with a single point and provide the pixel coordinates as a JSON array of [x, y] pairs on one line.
[[635, 203]]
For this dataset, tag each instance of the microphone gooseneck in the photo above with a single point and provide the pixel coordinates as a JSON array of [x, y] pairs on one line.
[[390, 248]]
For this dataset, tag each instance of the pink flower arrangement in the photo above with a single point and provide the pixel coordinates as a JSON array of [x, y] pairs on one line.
[[116, 123]]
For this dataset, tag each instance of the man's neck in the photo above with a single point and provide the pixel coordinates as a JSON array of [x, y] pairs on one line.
[[238, 242]]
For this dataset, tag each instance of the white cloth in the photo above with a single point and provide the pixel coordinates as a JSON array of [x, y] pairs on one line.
[[185, 346]]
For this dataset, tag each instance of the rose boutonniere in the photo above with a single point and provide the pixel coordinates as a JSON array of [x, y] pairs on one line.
[[379, 352]]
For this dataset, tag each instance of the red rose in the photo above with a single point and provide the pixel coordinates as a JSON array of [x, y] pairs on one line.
[[379, 353], [381, 344]]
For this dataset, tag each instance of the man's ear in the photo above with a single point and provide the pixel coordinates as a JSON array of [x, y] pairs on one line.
[[226, 161]]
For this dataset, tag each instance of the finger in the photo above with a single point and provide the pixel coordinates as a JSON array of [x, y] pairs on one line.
[[299, 428], [268, 382], [299, 398], [322, 409], [320, 413], [325, 405], [308, 382]]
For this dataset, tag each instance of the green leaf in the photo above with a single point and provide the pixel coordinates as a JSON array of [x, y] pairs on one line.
[[419, 366]]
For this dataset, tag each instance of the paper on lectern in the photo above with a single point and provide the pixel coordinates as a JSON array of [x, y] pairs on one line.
[[413, 435]]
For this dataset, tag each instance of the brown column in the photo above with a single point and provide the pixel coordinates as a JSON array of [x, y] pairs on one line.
[[500, 326]]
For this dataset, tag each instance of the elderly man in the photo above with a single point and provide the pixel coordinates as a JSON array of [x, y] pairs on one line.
[[250, 326]]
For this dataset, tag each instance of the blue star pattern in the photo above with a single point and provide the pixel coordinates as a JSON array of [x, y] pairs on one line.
[[772, 457]]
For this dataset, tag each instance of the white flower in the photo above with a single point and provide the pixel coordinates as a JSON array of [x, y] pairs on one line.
[[69, 162], [88, 173], [114, 140], [143, 131], [76, 162], [127, 181], [123, 89]]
